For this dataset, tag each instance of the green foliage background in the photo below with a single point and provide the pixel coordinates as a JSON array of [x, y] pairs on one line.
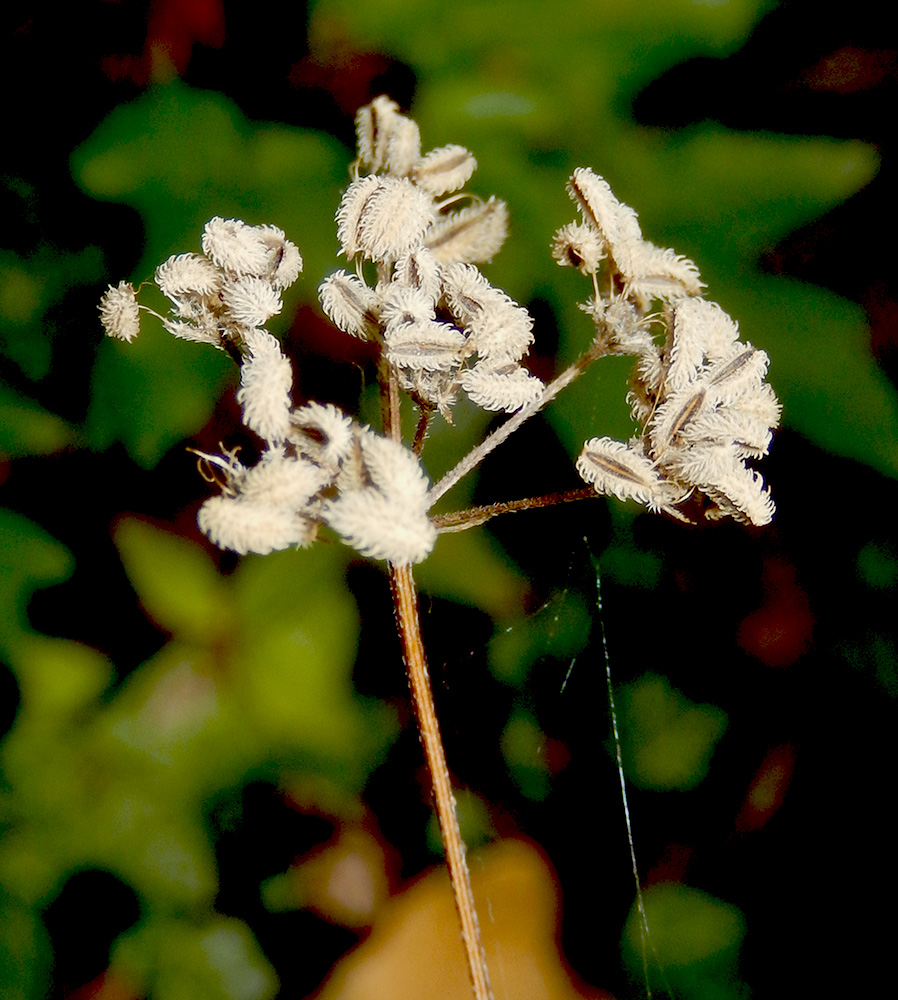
[[254, 676]]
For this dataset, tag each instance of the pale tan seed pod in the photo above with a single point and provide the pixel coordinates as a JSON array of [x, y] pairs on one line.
[[250, 301], [383, 217], [445, 169], [280, 480], [616, 223], [419, 269], [284, 263], [349, 304], [391, 467], [425, 345], [700, 331], [243, 526], [323, 433], [204, 330], [622, 471], [472, 235], [234, 246], [381, 527], [508, 388], [394, 220], [188, 274], [349, 213], [403, 147], [501, 333], [673, 415], [716, 469], [578, 245], [375, 123], [266, 378], [659, 273], [404, 304]]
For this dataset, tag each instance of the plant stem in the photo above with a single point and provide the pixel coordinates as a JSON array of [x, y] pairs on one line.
[[408, 623], [475, 456], [460, 520]]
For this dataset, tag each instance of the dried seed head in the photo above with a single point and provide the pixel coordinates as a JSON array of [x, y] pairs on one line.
[[204, 330], [420, 270], [380, 527], [388, 518], [282, 481], [657, 273], [700, 331], [323, 433], [119, 312], [405, 304], [284, 260], [403, 147], [502, 332], [615, 223]]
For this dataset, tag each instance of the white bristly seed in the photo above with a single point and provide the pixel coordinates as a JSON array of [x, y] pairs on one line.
[[119, 312], [266, 378]]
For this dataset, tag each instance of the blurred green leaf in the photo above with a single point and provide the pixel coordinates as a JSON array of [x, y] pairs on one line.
[[178, 584], [28, 429], [524, 750], [256, 678], [29, 559], [693, 937], [467, 568], [560, 629], [473, 818], [667, 739], [59, 677], [24, 951], [29, 286], [217, 959]]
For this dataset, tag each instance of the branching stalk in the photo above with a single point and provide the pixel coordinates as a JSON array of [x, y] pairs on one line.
[[475, 456]]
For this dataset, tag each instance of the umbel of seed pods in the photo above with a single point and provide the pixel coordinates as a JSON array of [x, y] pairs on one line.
[[697, 392]]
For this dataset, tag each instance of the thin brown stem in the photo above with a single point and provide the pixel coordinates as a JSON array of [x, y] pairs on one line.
[[389, 401], [408, 623], [460, 520], [422, 428]]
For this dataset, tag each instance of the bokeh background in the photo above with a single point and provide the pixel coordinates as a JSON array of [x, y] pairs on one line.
[[211, 782]]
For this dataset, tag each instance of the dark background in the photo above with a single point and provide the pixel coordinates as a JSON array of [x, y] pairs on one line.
[[810, 679]]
